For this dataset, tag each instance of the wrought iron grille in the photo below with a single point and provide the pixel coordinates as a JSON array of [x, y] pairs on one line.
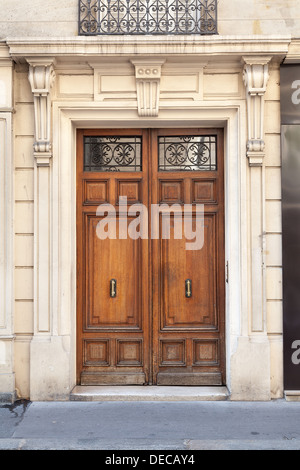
[[107, 153], [187, 153], [133, 17]]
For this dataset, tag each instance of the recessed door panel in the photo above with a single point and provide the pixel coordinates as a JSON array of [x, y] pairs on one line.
[[113, 279], [188, 279]]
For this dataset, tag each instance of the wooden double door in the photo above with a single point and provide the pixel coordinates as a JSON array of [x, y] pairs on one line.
[[150, 257]]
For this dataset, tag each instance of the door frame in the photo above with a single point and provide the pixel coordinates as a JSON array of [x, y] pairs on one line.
[[151, 365], [68, 116]]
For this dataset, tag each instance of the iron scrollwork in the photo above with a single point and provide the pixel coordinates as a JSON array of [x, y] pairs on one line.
[[133, 17], [187, 153], [107, 153]]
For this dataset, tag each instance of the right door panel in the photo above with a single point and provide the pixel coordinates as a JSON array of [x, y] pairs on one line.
[[188, 274]]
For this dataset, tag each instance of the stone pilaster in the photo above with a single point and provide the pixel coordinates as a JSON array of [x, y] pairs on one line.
[[46, 346], [256, 77], [251, 360], [41, 78]]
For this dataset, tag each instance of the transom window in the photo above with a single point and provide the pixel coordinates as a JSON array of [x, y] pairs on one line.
[[187, 153], [113, 153], [175, 153]]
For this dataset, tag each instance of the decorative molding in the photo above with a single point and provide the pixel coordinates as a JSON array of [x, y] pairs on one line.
[[68, 116], [7, 374], [6, 227], [101, 46], [41, 78], [147, 76], [293, 55], [255, 75], [7, 336]]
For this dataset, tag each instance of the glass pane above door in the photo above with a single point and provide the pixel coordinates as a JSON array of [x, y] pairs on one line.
[[113, 153], [187, 153]]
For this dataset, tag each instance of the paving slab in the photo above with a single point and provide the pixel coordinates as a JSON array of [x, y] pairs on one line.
[[10, 416], [151, 425], [243, 444], [91, 444]]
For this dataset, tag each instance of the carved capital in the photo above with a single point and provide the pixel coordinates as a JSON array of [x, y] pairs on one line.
[[41, 78], [255, 76], [147, 75], [43, 158]]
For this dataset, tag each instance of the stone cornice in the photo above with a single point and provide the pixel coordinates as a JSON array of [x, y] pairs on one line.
[[5, 58], [231, 46], [293, 56]]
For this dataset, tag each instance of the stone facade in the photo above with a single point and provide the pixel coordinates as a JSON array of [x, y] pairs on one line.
[[53, 80]]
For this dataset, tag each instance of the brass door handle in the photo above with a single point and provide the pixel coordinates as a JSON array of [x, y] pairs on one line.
[[113, 288], [188, 288]]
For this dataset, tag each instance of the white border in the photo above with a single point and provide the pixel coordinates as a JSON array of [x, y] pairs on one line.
[[6, 226], [7, 378]]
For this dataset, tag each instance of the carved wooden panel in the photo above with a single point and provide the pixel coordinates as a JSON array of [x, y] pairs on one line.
[[171, 191], [96, 352], [179, 265], [204, 191], [129, 353], [130, 189], [106, 260], [95, 192], [206, 352], [172, 353]]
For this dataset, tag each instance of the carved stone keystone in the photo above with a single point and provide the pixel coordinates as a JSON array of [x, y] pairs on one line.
[[147, 75]]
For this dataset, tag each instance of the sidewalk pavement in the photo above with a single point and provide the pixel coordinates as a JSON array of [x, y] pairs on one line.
[[150, 425]]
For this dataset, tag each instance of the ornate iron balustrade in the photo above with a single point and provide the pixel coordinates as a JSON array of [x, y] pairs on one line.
[[140, 17]]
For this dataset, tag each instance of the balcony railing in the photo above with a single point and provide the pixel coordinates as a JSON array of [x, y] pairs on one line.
[[140, 17]]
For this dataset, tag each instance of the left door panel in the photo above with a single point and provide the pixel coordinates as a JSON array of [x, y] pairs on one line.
[[112, 271]]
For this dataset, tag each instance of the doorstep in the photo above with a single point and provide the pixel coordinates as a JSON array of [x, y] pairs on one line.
[[147, 393], [292, 395]]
